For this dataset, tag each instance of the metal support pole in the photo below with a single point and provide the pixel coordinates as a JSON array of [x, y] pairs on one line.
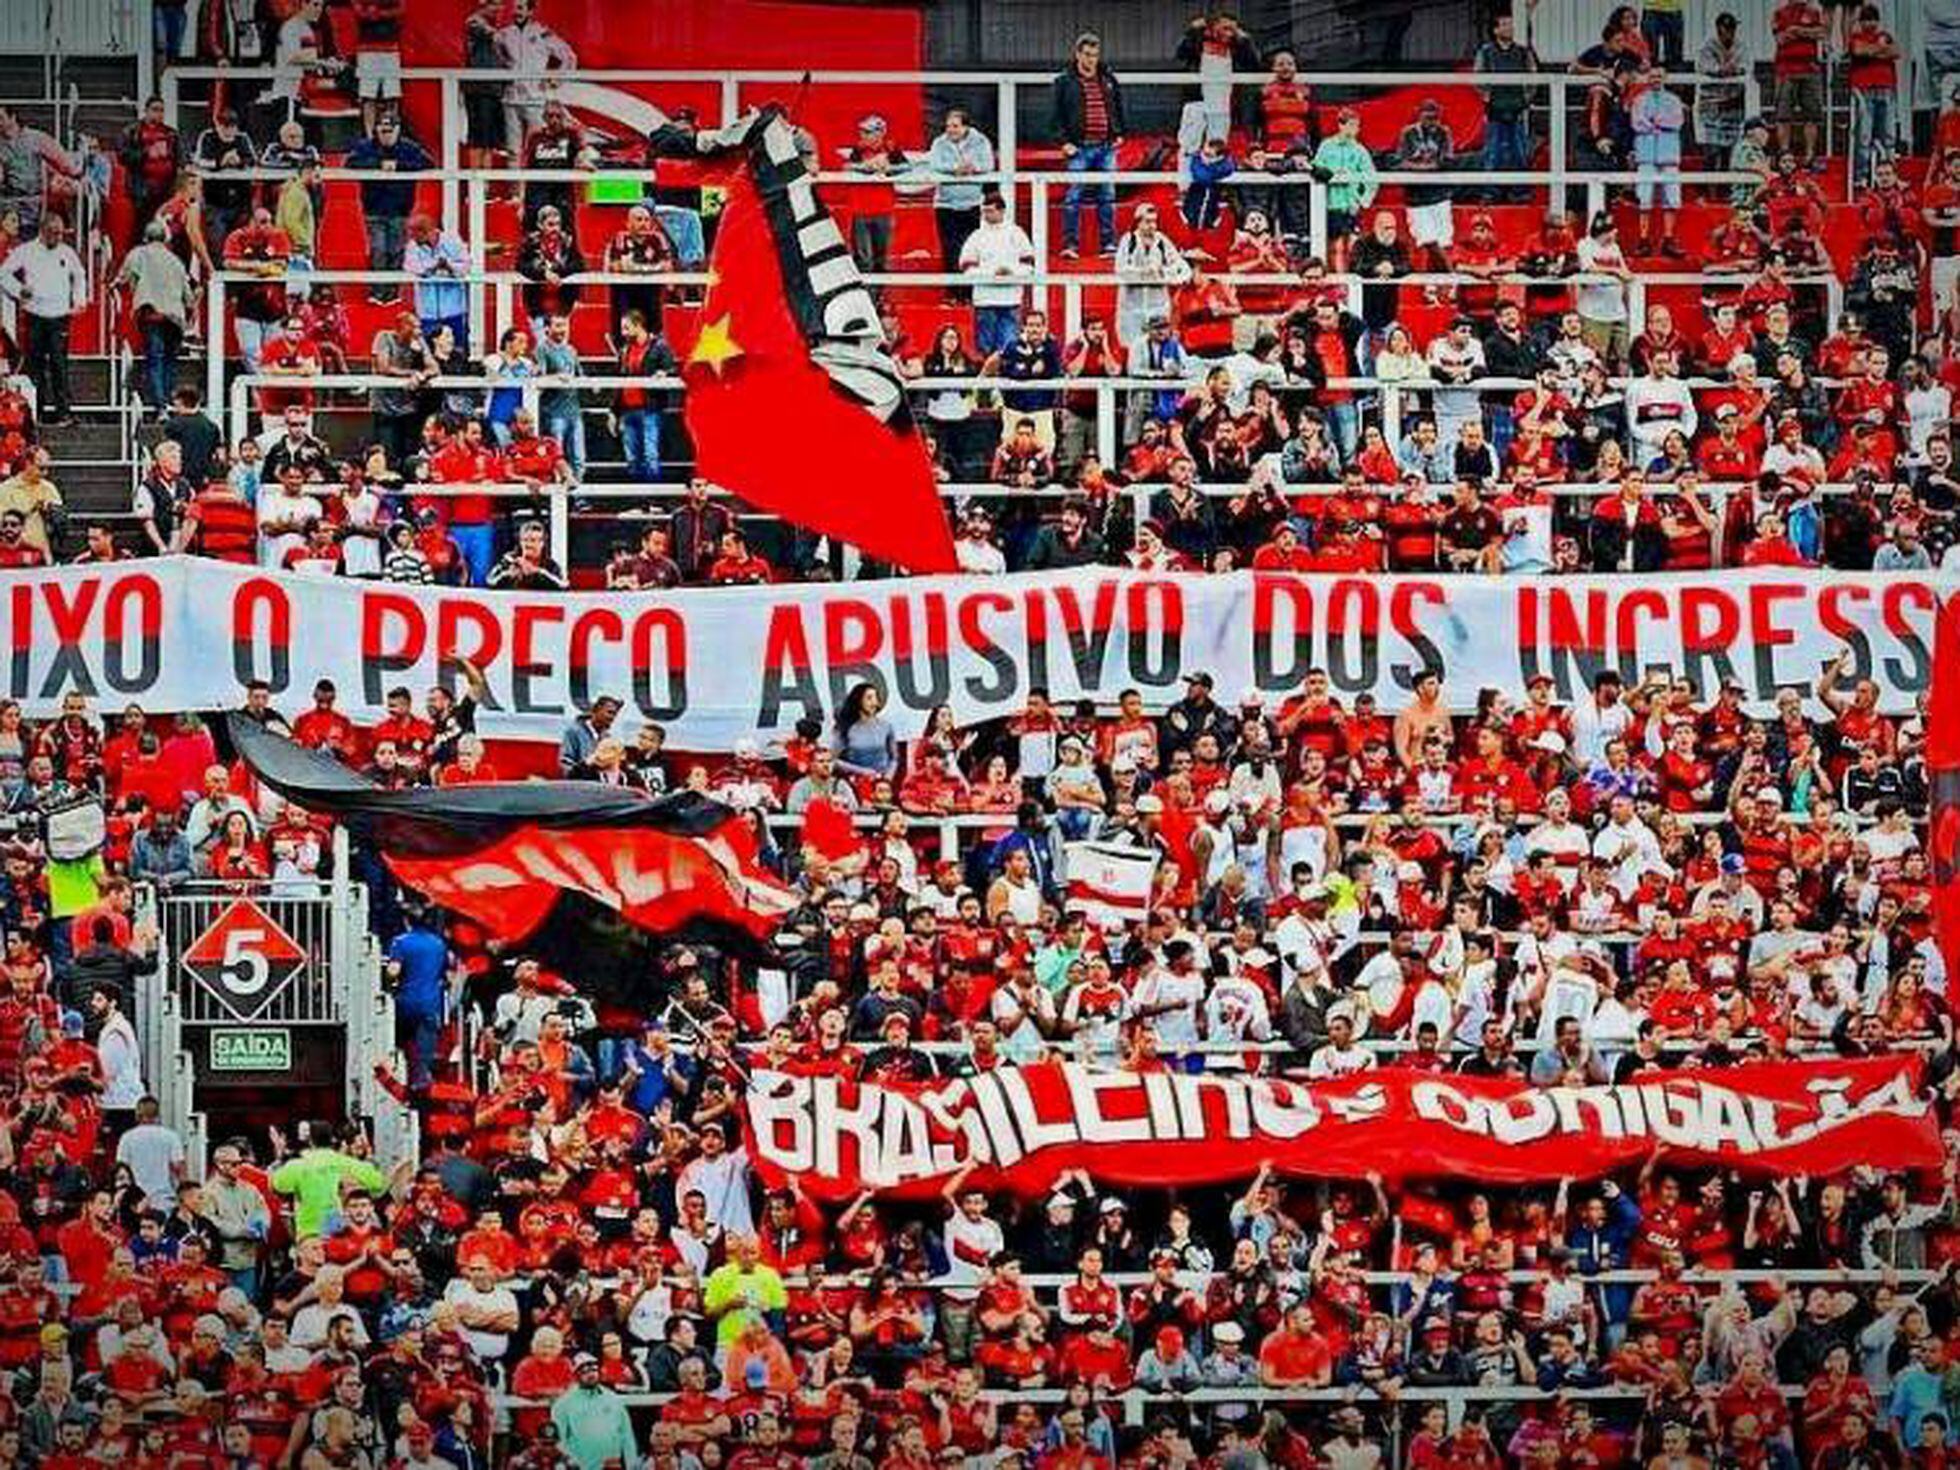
[[559, 505], [1560, 155], [1317, 220], [214, 344], [731, 100], [1008, 141], [479, 230], [1038, 234], [453, 125], [238, 418]]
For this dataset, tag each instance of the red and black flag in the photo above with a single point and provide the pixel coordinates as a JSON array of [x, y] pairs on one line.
[[793, 402], [1943, 779], [503, 853]]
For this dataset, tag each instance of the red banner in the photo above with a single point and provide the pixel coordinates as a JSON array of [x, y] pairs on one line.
[[1021, 1127]]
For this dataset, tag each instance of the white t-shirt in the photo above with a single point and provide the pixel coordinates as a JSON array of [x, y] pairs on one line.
[[970, 1245], [1630, 851], [1177, 1027], [150, 1150], [1566, 842], [122, 1064], [490, 1346], [1601, 301], [1333, 1061]]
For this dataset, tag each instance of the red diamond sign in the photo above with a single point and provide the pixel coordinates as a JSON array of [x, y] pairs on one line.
[[244, 959]]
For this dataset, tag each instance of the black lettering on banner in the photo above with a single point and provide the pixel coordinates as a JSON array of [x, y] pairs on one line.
[[853, 637], [1837, 623], [1155, 608], [1269, 596], [787, 673], [1766, 634], [906, 650], [140, 625], [21, 635], [525, 668], [664, 625], [1352, 653], [1710, 627], [1402, 616], [262, 599], [599, 624], [1005, 684], [383, 656], [1915, 671], [1088, 637], [1578, 647], [70, 623]]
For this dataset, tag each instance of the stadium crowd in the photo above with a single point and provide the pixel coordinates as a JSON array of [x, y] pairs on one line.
[[581, 1269]]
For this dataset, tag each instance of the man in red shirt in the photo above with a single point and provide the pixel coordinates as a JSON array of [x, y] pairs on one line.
[[259, 249], [409, 734], [294, 354], [1283, 553], [737, 565], [1725, 458], [325, 728], [697, 1418], [531, 457], [1798, 27], [150, 155], [16, 553], [468, 460], [1771, 548], [1296, 1356]]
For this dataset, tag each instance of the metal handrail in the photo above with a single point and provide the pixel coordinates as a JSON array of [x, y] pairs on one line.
[[1554, 80]]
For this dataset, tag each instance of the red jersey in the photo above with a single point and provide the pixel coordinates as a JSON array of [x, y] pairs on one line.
[[1798, 28], [460, 463]]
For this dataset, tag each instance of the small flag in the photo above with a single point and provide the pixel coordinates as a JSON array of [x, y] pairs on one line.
[[1109, 885]]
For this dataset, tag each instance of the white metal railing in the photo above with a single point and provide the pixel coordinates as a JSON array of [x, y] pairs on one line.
[[600, 88], [368, 1010], [167, 1069]]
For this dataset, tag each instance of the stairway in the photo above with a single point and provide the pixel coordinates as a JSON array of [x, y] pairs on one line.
[[89, 464]]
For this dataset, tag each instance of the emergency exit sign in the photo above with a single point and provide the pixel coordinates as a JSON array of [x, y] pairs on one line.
[[252, 1049]]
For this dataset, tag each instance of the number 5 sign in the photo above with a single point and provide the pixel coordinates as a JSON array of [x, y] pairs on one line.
[[244, 959]]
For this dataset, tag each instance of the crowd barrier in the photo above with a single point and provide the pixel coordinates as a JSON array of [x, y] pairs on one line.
[[606, 92]]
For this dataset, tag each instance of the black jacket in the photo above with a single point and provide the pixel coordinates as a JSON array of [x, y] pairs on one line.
[[1065, 117]]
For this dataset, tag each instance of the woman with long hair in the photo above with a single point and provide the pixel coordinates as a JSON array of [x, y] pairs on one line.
[[950, 412], [865, 742], [237, 857]]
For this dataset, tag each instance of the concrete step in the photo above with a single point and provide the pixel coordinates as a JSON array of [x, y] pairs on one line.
[[93, 489], [88, 380], [91, 437], [101, 77]]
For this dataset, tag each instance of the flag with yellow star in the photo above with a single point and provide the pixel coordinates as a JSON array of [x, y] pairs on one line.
[[792, 400]]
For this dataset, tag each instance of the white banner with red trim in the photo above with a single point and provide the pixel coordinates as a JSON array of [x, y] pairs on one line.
[[717, 664]]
